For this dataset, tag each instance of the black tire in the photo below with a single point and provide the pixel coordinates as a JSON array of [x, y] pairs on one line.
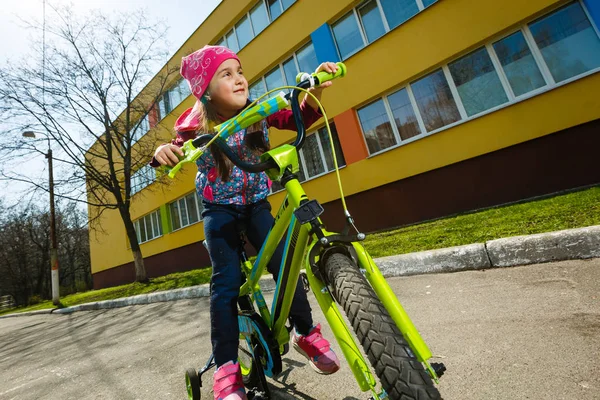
[[192, 383], [401, 374]]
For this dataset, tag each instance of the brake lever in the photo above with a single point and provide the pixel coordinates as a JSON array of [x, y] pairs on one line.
[[191, 153]]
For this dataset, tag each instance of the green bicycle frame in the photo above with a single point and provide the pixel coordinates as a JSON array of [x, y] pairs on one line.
[[295, 257]]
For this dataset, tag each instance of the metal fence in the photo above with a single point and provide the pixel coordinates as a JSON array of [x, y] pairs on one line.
[[6, 302]]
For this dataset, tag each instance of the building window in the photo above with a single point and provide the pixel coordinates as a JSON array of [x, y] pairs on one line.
[[567, 41], [372, 23], [186, 211], [232, 43], [275, 9], [404, 114], [492, 76], [518, 64], [274, 78], [148, 227], [284, 74], [173, 97], [371, 20], [315, 157], [347, 35], [376, 126], [259, 18], [142, 127], [141, 178], [435, 101], [253, 23], [243, 31], [257, 89], [477, 82], [399, 11]]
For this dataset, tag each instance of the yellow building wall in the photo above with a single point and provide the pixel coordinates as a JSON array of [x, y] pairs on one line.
[[437, 35]]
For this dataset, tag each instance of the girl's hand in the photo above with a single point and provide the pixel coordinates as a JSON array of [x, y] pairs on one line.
[[165, 154], [330, 67]]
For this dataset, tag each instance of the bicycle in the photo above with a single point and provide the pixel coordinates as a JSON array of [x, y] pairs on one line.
[[338, 269]]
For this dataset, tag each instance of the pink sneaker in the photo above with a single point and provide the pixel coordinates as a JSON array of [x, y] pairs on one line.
[[227, 382], [317, 350]]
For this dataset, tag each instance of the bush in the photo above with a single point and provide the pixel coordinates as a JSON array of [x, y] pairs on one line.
[[35, 299]]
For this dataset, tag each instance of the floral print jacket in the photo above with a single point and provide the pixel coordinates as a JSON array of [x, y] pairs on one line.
[[242, 187]]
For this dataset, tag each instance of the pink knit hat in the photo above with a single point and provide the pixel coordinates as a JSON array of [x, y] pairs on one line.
[[199, 67]]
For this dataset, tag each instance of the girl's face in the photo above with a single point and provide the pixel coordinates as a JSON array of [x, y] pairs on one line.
[[228, 89]]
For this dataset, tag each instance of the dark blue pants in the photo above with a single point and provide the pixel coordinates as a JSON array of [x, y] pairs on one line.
[[221, 230]]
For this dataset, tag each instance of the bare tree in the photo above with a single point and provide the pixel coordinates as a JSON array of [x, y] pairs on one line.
[[24, 251], [86, 95]]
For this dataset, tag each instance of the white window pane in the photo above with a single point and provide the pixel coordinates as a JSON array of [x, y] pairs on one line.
[[257, 89], [190, 201], [259, 18], [221, 42], [274, 9], [155, 224], [347, 35], [435, 101], [307, 58], [326, 145], [427, 3], [312, 156], [143, 236], [301, 174], [404, 114], [243, 32], [183, 213], [398, 11], [184, 89], [568, 42], [136, 225], [232, 43], [371, 20], [290, 71], [287, 3], [376, 126], [477, 81], [518, 63], [274, 79], [175, 216], [159, 221], [148, 221]]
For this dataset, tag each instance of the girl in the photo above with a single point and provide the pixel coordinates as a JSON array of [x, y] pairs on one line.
[[232, 197]]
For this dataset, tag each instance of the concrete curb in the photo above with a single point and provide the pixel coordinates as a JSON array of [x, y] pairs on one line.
[[570, 244]]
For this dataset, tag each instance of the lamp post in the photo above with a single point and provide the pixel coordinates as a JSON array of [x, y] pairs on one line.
[[53, 244]]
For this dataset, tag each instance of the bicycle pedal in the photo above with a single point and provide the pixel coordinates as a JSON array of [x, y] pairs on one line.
[[439, 369]]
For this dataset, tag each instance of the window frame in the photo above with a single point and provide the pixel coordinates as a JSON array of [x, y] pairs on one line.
[[179, 201], [361, 28], [550, 83], [302, 161], [155, 218]]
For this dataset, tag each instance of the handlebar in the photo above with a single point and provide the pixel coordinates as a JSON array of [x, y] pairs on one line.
[[193, 149]]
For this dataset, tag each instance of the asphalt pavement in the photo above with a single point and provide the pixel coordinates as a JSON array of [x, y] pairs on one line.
[[530, 332]]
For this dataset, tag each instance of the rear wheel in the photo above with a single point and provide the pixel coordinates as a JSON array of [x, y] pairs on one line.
[[192, 383], [401, 374]]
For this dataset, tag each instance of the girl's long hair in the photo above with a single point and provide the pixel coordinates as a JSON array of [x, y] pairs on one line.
[[254, 139]]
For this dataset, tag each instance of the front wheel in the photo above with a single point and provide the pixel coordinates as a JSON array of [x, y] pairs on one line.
[[401, 374]]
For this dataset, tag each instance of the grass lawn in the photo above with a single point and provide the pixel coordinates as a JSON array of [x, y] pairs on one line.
[[572, 210]]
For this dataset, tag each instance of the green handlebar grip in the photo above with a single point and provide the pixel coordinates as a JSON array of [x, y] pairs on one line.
[[252, 115], [324, 76]]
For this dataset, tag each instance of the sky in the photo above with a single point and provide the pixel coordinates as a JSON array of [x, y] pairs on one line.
[[181, 16]]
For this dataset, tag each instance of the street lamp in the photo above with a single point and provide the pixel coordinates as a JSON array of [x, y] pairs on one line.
[[53, 246]]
